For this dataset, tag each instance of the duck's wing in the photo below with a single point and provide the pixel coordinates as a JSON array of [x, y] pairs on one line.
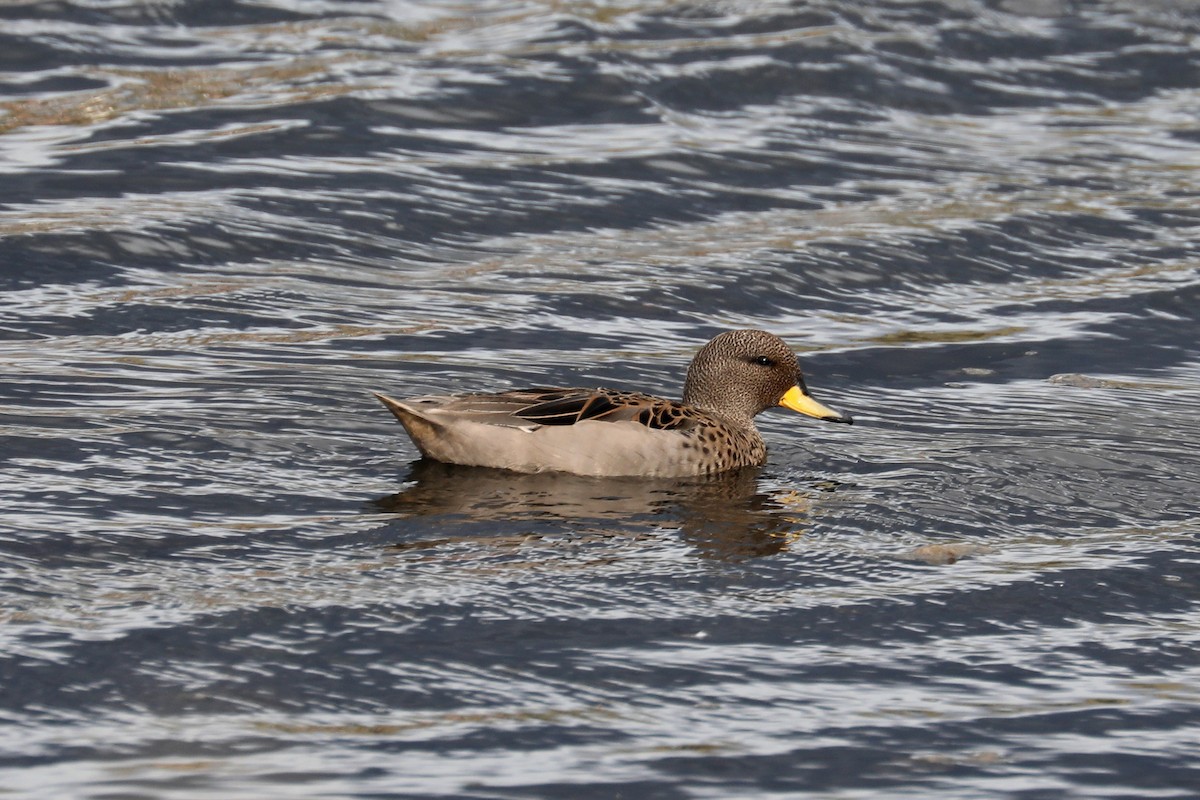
[[529, 408], [572, 406]]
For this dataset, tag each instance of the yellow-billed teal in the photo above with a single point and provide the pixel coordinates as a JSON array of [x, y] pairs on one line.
[[604, 432]]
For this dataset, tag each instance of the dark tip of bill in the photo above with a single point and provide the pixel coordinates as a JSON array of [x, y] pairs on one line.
[[843, 418]]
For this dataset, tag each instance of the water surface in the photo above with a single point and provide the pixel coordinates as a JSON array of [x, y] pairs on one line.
[[224, 573]]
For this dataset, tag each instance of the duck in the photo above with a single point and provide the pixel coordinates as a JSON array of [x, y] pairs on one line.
[[615, 433]]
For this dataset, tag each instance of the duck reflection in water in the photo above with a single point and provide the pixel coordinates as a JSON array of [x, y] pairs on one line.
[[723, 516]]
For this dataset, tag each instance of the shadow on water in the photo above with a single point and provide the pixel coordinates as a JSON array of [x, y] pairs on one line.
[[722, 516]]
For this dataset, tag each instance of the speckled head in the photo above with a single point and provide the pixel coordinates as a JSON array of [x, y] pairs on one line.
[[742, 373]]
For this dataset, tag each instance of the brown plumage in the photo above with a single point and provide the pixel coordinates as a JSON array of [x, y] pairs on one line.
[[605, 432]]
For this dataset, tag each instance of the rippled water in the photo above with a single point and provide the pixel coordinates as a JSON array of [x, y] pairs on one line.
[[223, 574]]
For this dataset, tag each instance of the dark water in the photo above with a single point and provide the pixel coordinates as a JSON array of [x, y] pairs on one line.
[[225, 223]]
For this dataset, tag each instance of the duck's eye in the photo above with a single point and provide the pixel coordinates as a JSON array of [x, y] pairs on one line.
[[764, 361]]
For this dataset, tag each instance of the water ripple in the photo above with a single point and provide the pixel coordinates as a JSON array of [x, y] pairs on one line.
[[224, 571]]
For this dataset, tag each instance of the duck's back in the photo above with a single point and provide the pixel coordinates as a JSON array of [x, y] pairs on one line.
[[582, 431]]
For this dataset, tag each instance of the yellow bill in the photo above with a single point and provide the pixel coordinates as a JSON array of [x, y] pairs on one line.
[[799, 400]]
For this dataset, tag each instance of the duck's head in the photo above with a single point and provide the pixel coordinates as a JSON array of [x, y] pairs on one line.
[[743, 373]]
